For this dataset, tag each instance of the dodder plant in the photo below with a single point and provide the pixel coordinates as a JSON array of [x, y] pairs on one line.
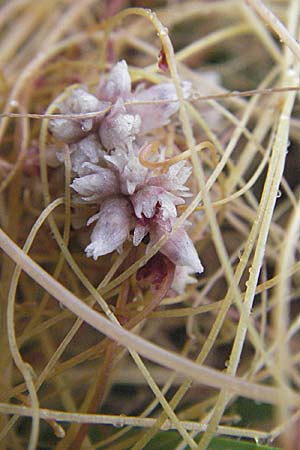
[[117, 172]]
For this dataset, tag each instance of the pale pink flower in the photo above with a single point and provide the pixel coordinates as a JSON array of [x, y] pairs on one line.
[[119, 129], [117, 84], [114, 222], [152, 207], [138, 118], [151, 200], [179, 248], [174, 179], [87, 149], [104, 154], [141, 229], [130, 170], [182, 277], [95, 183], [79, 102], [154, 115]]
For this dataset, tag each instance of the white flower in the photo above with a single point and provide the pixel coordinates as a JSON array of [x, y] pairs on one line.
[[179, 248], [79, 102], [114, 222], [104, 154], [182, 277], [119, 129], [151, 200], [137, 118], [116, 84], [131, 171], [66, 130], [151, 205], [86, 150], [154, 115], [175, 178], [141, 229], [95, 183]]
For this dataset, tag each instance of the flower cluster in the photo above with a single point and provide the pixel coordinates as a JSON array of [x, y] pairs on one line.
[[105, 157]]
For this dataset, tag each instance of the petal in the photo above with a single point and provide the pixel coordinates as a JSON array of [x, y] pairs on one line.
[[168, 203], [155, 115], [66, 130], [145, 201], [96, 186], [119, 129], [79, 102], [182, 278], [131, 172], [164, 225], [174, 179], [139, 233], [93, 219], [86, 150], [116, 84], [180, 250], [117, 159], [112, 228], [178, 175], [154, 200]]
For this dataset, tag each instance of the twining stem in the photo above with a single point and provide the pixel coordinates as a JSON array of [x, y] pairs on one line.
[[276, 25], [199, 373]]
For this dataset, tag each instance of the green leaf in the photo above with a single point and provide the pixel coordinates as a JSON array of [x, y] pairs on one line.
[[168, 440], [234, 444], [251, 413]]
